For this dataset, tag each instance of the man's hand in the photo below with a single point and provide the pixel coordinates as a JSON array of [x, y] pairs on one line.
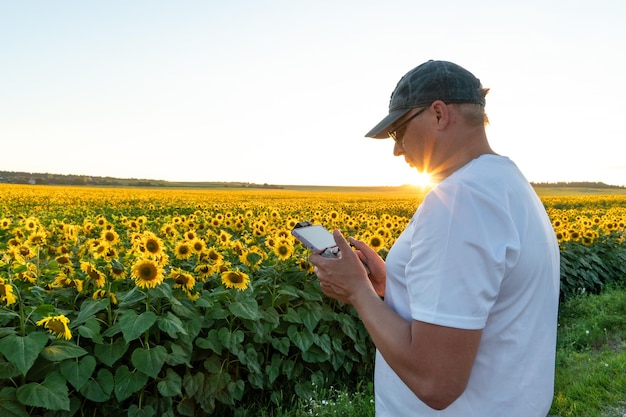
[[343, 278], [373, 262]]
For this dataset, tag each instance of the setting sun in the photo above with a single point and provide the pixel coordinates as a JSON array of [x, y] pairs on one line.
[[422, 179]]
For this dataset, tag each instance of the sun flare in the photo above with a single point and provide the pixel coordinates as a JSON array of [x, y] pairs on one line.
[[422, 179]]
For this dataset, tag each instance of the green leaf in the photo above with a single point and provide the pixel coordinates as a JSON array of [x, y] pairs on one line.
[[99, 389], [236, 389], [127, 382], [247, 310], [60, 350], [178, 356], [250, 359], [310, 316], [323, 341], [23, 351], [149, 360], [88, 309], [273, 369], [171, 385], [315, 355], [348, 326], [134, 326], [171, 324], [211, 341], [303, 340], [9, 405], [135, 411], [282, 345], [131, 298], [109, 353], [78, 372], [51, 394], [8, 370], [91, 330], [292, 316], [231, 341]]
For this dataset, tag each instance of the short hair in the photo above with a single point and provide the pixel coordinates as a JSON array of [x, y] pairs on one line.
[[474, 113]]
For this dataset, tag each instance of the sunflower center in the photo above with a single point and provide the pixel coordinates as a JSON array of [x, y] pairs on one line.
[[152, 246], [235, 278], [56, 326], [147, 272]]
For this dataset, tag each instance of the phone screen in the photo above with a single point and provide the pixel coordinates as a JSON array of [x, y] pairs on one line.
[[315, 237]]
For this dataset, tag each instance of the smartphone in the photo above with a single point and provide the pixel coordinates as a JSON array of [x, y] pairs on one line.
[[316, 238]]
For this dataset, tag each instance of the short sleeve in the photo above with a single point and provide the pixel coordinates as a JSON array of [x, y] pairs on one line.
[[462, 244]]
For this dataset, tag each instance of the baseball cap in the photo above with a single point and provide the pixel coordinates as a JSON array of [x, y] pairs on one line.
[[426, 83]]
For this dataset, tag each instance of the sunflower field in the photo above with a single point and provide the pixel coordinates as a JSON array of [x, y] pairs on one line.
[[145, 302]]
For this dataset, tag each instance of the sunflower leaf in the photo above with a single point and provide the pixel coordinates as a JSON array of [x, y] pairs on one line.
[[61, 350], [77, 372], [23, 351], [9, 405], [171, 385], [127, 382], [248, 309], [109, 353], [88, 309], [51, 394], [134, 325], [171, 324], [150, 360], [99, 389]]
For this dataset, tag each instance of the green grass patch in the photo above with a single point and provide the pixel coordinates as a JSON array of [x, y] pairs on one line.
[[591, 356]]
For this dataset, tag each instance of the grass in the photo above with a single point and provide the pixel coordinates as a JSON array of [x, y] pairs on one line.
[[591, 357], [590, 367]]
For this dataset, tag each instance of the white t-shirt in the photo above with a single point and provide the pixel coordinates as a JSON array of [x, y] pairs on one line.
[[480, 253]]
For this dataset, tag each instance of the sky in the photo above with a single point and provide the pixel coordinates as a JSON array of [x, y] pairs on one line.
[[283, 92]]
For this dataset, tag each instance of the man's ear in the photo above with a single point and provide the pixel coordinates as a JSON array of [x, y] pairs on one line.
[[442, 112]]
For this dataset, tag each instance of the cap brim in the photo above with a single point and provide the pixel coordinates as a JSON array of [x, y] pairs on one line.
[[381, 130]]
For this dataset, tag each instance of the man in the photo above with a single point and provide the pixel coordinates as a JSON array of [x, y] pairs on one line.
[[463, 313]]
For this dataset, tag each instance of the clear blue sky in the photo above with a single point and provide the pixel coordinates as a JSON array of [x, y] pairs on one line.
[[283, 91]]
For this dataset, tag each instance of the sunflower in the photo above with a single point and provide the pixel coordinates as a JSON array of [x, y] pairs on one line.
[[252, 257], [235, 279], [183, 250], [57, 325], [5, 223], [98, 277], [283, 249], [104, 293], [147, 273], [151, 244], [182, 279], [117, 270], [198, 245], [37, 238], [31, 224], [376, 242], [211, 254], [6, 292], [22, 251], [110, 237], [64, 281], [204, 271], [224, 237], [305, 265]]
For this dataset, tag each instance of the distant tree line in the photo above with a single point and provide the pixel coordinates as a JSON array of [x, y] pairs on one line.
[[576, 184], [9, 177]]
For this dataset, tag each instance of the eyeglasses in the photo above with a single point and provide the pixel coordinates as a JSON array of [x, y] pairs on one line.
[[396, 134]]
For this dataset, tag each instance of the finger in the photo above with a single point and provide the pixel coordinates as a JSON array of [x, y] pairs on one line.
[[341, 241], [358, 244]]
